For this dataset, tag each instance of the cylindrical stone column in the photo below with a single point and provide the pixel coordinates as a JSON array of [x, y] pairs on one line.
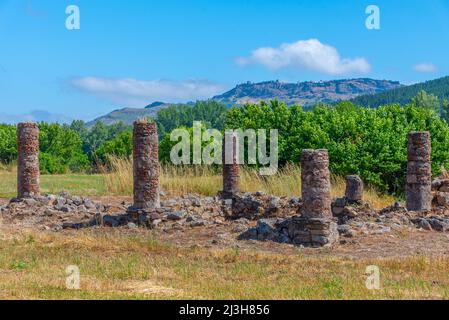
[[354, 188], [27, 160], [419, 172], [146, 166], [231, 169], [315, 184]]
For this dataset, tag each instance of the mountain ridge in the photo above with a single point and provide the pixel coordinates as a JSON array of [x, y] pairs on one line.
[[303, 93]]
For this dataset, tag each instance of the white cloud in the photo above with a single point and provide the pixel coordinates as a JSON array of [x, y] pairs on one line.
[[306, 54], [132, 92], [425, 68]]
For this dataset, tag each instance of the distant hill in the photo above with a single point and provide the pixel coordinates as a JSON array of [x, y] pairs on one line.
[[305, 93], [403, 95], [129, 115]]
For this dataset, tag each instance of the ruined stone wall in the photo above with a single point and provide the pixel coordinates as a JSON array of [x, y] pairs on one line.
[[146, 166], [419, 174], [27, 160], [315, 184], [231, 169]]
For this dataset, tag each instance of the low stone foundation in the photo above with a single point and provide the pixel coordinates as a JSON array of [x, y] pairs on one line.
[[345, 210], [312, 232], [300, 231], [253, 206]]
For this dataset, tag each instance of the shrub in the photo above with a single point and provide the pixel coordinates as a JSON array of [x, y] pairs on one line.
[[368, 142]]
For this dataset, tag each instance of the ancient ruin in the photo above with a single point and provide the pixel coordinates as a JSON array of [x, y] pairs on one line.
[[354, 189], [315, 226], [310, 221], [146, 166], [27, 160], [351, 205], [419, 173], [315, 184], [231, 170]]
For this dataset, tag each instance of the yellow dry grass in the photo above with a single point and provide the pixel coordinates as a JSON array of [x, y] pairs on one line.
[[204, 180], [115, 265], [179, 180]]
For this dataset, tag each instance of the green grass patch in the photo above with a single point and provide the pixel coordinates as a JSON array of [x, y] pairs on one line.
[[76, 184]]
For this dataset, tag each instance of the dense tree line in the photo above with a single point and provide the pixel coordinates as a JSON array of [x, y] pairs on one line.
[[404, 95], [211, 113], [364, 141], [368, 142]]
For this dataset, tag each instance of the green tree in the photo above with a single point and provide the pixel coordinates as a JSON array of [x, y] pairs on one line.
[[60, 149], [427, 101], [211, 113], [121, 146], [8, 143], [445, 110], [100, 134], [79, 126]]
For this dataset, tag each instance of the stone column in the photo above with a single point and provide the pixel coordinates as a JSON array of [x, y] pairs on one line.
[[27, 160], [315, 227], [315, 184], [231, 169], [354, 189], [146, 166], [419, 173]]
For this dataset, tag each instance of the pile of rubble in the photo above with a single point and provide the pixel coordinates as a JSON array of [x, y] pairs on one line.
[[361, 222], [64, 211], [253, 206], [295, 230], [256, 216], [50, 211]]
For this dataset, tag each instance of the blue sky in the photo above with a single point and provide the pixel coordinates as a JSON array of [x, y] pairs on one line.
[[131, 53]]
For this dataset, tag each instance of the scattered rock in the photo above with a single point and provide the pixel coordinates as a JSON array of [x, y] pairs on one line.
[[346, 231], [438, 225], [266, 229], [176, 216], [132, 225], [424, 224], [66, 208], [195, 221], [30, 202], [156, 223], [88, 204]]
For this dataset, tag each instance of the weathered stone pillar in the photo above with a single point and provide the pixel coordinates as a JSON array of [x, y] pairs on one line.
[[354, 189], [315, 227], [231, 169], [316, 186], [27, 160], [146, 166], [419, 173]]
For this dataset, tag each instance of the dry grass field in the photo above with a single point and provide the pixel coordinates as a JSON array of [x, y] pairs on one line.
[[138, 264], [117, 265]]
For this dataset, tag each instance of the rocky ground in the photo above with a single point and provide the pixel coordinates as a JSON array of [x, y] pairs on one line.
[[254, 221]]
